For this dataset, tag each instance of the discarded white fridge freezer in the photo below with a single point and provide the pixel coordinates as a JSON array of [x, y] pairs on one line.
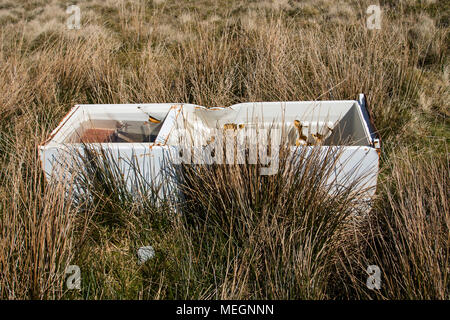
[[148, 134]]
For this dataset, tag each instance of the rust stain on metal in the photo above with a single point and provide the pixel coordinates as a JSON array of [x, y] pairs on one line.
[[153, 120], [158, 144], [98, 135], [318, 138], [372, 123]]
